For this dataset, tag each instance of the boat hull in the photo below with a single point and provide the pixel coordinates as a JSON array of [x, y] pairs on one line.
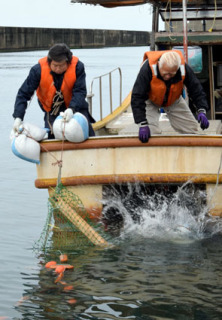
[[88, 166]]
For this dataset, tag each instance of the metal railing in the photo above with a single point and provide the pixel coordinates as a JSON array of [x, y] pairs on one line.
[[91, 95]]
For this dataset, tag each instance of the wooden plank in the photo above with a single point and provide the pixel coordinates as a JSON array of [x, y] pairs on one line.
[[126, 141], [79, 222], [117, 112], [130, 178], [194, 38]]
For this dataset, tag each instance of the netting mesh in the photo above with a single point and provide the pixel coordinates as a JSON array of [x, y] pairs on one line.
[[68, 224]]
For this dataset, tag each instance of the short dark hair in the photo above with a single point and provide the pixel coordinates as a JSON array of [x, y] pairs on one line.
[[59, 52]]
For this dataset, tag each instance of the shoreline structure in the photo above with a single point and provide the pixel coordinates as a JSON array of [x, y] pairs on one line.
[[13, 39]]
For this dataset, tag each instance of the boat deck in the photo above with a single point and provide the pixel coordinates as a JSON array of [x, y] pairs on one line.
[[124, 125]]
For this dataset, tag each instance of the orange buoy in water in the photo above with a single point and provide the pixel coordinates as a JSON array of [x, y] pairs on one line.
[[68, 288], [67, 266], [60, 276], [60, 269], [63, 257], [50, 264], [72, 301]]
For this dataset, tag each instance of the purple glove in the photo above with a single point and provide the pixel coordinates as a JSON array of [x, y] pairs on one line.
[[144, 134], [202, 119]]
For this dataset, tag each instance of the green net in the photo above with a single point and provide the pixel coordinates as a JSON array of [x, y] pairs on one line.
[[68, 224]]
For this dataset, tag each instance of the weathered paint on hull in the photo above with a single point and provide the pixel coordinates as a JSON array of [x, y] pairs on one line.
[[98, 161]]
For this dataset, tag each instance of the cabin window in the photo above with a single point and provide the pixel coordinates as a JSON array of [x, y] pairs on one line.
[[194, 57]]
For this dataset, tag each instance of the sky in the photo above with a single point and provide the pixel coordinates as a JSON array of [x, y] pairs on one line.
[[64, 14]]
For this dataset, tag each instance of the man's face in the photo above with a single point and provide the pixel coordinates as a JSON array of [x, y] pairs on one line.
[[166, 72], [59, 67]]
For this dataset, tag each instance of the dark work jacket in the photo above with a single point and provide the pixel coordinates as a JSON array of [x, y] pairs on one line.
[[140, 92], [78, 102]]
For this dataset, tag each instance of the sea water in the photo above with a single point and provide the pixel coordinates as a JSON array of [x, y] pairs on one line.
[[166, 262]]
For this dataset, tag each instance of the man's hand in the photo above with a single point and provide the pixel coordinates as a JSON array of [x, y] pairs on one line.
[[144, 133], [68, 114], [17, 126], [202, 119]]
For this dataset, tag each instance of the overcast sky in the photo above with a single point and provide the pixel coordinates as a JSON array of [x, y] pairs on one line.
[[63, 14]]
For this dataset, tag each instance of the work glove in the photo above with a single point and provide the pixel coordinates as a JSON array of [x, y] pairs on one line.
[[17, 126], [144, 132], [67, 115], [202, 119]]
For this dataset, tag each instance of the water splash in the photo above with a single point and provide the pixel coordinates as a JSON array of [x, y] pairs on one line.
[[177, 213]]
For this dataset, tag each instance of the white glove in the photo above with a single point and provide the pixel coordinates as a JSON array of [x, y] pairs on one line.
[[67, 115], [17, 126]]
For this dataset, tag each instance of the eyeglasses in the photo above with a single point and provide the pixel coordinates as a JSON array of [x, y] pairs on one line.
[[171, 74]]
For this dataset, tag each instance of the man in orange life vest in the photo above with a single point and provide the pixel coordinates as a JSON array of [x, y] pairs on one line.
[[59, 82], [159, 84]]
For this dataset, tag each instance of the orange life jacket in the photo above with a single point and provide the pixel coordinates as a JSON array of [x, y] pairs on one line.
[[46, 89], [158, 86]]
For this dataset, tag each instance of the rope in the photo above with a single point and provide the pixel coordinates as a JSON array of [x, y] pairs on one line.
[[58, 100], [168, 23], [58, 162], [215, 14]]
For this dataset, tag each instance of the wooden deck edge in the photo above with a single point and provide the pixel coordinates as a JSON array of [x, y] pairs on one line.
[[127, 142], [122, 108], [129, 178]]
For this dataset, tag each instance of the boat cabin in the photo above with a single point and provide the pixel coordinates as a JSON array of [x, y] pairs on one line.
[[196, 28]]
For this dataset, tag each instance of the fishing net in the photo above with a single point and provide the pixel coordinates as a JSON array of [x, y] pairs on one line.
[[68, 224]]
